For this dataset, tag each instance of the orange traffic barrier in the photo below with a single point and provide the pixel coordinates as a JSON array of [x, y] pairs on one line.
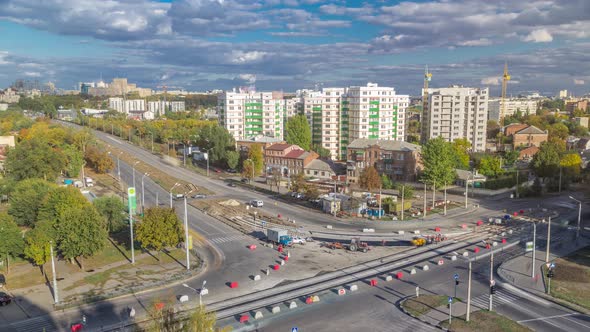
[[233, 284], [373, 282], [399, 275], [476, 250], [276, 267], [244, 319]]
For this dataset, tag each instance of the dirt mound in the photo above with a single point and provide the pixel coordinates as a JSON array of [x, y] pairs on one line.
[[230, 202]]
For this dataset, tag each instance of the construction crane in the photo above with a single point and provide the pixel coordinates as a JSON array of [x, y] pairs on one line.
[[427, 78], [505, 79]]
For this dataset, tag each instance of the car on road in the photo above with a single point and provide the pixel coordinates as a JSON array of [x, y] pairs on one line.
[[298, 240], [178, 196], [5, 299], [231, 184], [244, 180], [256, 203], [231, 170], [199, 196]]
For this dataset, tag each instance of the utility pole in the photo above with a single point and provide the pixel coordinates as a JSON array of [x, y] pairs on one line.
[[380, 194], [403, 189], [466, 189], [534, 248], [131, 233], [579, 216], [445, 208], [55, 296], [424, 213], [548, 240], [143, 193], [186, 243], [468, 294], [492, 282], [433, 194]]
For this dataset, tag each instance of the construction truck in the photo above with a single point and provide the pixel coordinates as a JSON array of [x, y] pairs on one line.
[[418, 241], [279, 236]]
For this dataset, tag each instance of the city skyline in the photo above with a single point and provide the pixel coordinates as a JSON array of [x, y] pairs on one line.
[[293, 44]]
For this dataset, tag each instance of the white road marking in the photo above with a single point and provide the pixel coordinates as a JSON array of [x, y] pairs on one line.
[[545, 318]]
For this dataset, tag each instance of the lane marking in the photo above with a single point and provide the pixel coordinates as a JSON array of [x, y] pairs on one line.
[[545, 318]]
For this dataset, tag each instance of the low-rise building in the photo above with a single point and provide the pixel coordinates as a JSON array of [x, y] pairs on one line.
[[243, 145], [9, 96], [529, 136], [582, 121], [511, 106], [319, 169], [572, 105], [289, 158], [399, 160], [528, 153], [6, 142], [510, 129]]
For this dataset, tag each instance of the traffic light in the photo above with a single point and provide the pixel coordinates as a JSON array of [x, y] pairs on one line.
[[492, 289]]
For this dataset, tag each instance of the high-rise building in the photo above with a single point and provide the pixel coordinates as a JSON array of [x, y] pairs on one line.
[[457, 112], [512, 106], [247, 114], [125, 106], [160, 107], [322, 109], [562, 94]]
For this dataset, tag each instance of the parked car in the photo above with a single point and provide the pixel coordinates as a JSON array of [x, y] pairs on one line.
[[244, 180], [298, 240], [217, 170], [231, 170], [5, 299], [256, 203], [199, 196], [231, 184]]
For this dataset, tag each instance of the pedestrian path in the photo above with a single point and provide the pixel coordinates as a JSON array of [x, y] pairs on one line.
[[225, 239], [501, 297], [37, 324]]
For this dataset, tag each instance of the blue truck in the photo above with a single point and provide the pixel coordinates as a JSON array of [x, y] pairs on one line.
[[279, 236]]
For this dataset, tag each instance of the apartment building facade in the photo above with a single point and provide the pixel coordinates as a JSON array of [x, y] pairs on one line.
[[290, 159], [512, 106], [399, 160], [160, 107], [457, 112], [248, 114], [126, 105]]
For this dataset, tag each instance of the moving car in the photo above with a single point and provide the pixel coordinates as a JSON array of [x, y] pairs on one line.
[[298, 240], [256, 203], [5, 299], [199, 196]]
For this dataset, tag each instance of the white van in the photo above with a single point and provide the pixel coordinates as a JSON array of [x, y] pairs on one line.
[[256, 203], [89, 182]]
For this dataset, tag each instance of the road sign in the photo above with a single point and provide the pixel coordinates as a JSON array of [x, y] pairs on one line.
[[456, 276], [450, 299], [294, 329], [529, 246], [131, 199], [551, 265]]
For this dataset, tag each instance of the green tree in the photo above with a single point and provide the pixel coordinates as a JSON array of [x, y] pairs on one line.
[[113, 211], [461, 148], [74, 161], [386, 181], [218, 140], [255, 154], [406, 190], [559, 130], [510, 157], [11, 239], [491, 166], [81, 233], [439, 162], [298, 132], [546, 162], [82, 138], [159, 228], [298, 183], [26, 198], [321, 151], [34, 158], [233, 159], [369, 179], [58, 201], [37, 247]]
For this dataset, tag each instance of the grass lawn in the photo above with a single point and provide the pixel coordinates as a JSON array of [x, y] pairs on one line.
[[572, 278], [418, 306], [484, 320]]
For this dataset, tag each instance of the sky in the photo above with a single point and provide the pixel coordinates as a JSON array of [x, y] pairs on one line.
[[293, 44]]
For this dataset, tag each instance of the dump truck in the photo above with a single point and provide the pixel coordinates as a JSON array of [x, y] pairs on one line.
[[279, 236]]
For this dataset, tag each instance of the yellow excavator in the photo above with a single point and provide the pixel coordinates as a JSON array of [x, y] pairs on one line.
[[418, 241]]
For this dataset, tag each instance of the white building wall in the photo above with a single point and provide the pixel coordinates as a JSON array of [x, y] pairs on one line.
[[512, 106]]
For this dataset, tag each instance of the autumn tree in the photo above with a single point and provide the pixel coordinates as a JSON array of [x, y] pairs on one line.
[[37, 249], [11, 239], [99, 160], [26, 199], [255, 154], [369, 179], [59, 200], [571, 164], [298, 183], [299, 132], [159, 228], [276, 178]]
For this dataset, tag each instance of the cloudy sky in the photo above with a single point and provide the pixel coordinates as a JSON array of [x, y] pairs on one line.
[[291, 44]]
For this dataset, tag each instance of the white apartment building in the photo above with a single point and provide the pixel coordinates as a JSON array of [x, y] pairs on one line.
[[322, 109], [125, 106], [160, 107], [511, 107], [247, 114], [457, 112]]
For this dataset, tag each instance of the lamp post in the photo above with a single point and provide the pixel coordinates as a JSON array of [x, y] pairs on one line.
[[433, 194], [534, 248], [174, 186], [55, 296], [133, 167], [152, 141], [445, 206], [208, 160], [579, 217], [143, 193], [491, 279], [467, 190], [468, 313], [186, 242], [548, 240], [403, 192], [424, 211]]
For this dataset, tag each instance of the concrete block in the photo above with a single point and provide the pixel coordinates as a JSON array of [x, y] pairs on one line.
[[454, 258], [288, 254], [257, 277], [353, 288], [388, 278], [465, 254], [413, 271], [401, 232], [258, 315], [416, 232], [292, 305], [494, 244], [509, 231], [368, 230], [425, 268], [282, 262], [503, 234], [316, 299], [267, 272], [329, 226], [276, 309]]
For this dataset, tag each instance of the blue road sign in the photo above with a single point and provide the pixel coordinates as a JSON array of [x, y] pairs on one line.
[[552, 265], [450, 299], [456, 276], [294, 329]]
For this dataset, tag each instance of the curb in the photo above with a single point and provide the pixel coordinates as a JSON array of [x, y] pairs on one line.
[[399, 305]]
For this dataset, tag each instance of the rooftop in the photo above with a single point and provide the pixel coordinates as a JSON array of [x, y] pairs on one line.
[[531, 130], [320, 165], [280, 147], [363, 143], [262, 139]]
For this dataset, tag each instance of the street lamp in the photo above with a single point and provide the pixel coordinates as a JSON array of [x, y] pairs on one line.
[[579, 216], [143, 193], [119, 165], [202, 292], [133, 167], [467, 189], [174, 186], [55, 297], [186, 243], [209, 149]]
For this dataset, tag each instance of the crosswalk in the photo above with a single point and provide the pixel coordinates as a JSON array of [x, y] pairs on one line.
[[37, 324], [501, 297], [409, 324], [225, 239]]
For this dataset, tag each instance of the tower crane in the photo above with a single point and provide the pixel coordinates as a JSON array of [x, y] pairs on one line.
[[505, 79], [425, 123]]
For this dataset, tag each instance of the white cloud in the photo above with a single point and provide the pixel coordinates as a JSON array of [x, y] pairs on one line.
[[240, 57], [3, 56], [492, 80], [579, 81], [476, 42], [249, 78], [539, 36], [32, 74]]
